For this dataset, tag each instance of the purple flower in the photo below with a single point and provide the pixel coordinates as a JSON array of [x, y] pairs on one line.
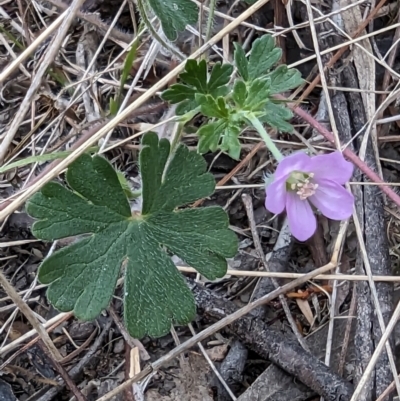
[[301, 181]]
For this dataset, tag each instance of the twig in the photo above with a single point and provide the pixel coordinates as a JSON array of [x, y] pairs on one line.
[[24, 308], [342, 50], [339, 277], [374, 305], [51, 324], [322, 77], [60, 369], [119, 37], [28, 51], [76, 352], [214, 369], [132, 342], [128, 368], [392, 56], [232, 367], [387, 391], [375, 297], [242, 163], [377, 352], [248, 204], [75, 371], [272, 344]]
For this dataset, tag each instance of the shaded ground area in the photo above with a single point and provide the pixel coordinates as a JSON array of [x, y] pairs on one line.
[[314, 339]]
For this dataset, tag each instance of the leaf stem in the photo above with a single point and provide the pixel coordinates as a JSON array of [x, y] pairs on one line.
[[176, 138], [264, 135]]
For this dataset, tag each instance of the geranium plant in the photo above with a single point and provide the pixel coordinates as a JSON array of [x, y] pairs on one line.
[[114, 240]]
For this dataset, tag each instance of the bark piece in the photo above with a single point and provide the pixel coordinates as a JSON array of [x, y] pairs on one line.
[[271, 344], [231, 369]]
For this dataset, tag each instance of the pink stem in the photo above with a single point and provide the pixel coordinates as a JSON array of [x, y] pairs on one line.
[[347, 152]]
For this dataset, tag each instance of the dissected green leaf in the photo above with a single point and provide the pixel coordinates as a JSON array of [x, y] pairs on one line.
[[178, 93], [210, 135], [257, 93], [83, 276], [211, 107], [283, 79], [185, 107], [230, 105], [241, 61], [174, 15], [220, 76], [239, 93], [230, 141], [195, 80], [223, 134], [263, 56], [195, 74], [276, 116]]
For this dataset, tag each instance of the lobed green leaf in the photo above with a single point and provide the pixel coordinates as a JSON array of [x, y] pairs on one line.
[[210, 135], [239, 93], [276, 116], [264, 55], [82, 276], [284, 79], [241, 61], [195, 74], [211, 107], [195, 81], [230, 141]]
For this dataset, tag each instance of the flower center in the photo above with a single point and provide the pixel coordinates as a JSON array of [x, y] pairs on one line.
[[302, 184]]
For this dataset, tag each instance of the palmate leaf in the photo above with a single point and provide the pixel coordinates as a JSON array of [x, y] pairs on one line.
[[264, 55], [174, 15], [83, 276]]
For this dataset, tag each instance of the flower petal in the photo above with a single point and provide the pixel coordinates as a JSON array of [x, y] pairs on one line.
[[302, 221], [333, 200], [275, 201], [297, 161], [332, 166]]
